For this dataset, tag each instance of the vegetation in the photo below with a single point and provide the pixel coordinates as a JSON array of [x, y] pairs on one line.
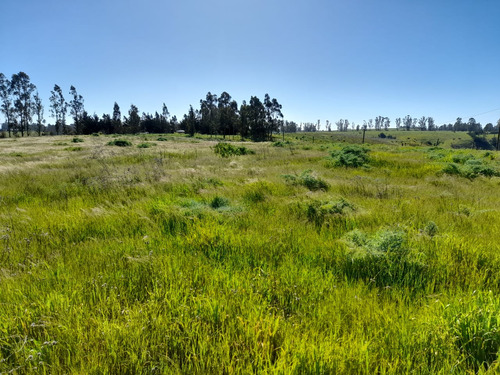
[[171, 259]]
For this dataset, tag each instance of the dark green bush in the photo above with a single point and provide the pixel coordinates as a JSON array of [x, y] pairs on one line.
[[308, 180], [77, 140], [120, 143], [218, 202], [145, 145], [351, 157], [226, 150]]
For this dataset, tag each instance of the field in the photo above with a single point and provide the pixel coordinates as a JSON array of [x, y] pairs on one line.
[[304, 256]]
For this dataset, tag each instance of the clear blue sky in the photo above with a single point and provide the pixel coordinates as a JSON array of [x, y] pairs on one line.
[[322, 59]]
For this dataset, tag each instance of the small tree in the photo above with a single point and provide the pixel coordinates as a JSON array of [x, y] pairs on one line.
[[38, 110], [58, 109], [76, 109]]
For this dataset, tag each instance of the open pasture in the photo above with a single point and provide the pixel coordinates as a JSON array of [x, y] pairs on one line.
[[308, 255]]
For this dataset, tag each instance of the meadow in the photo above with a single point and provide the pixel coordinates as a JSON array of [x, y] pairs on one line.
[[310, 255]]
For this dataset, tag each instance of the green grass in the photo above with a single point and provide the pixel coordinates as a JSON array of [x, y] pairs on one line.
[[171, 259]]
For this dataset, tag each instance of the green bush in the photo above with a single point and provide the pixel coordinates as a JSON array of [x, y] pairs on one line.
[[471, 169], [308, 180], [319, 211], [350, 157], [145, 145], [161, 139], [218, 202], [120, 143], [226, 150], [77, 140]]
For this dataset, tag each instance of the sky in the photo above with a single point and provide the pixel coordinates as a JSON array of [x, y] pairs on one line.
[[321, 59]]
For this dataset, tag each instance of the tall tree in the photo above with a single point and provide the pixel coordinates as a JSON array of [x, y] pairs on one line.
[[398, 123], [430, 124], [116, 120], [58, 109], [23, 89], [407, 122], [422, 123], [227, 114], [38, 111], [132, 123], [209, 114], [273, 115], [257, 116], [76, 109], [6, 107]]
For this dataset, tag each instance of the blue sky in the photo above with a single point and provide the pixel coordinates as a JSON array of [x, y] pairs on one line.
[[354, 59]]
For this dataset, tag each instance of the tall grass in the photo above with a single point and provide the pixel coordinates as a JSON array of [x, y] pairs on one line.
[[171, 259]]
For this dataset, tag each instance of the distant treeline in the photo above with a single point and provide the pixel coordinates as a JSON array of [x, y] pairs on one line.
[[220, 115]]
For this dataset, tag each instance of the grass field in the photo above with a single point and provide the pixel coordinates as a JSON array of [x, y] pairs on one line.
[[308, 256]]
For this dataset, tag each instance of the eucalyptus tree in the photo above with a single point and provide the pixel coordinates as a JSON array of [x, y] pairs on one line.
[[6, 105], [228, 114], [22, 91], [38, 112], [273, 115], [58, 109], [116, 120], [76, 109], [209, 114]]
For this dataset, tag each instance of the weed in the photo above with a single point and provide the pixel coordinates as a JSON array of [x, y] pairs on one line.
[[120, 143], [226, 150], [307, 179], [350, 157]]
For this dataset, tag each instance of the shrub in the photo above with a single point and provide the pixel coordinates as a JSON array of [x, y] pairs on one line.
[[161, 139], [218, 202], [282, 143], [145, 145], [471, 169], [120, 143], [226, 150], [317, 211], [431, 229], [77, 140], [351, 157], [308, 180]]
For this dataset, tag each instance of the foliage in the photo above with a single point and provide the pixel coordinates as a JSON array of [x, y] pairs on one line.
[[350, 157], [308, 180], [120, 143], [226, 150], [77, 140], [146, 145], [470, 168]]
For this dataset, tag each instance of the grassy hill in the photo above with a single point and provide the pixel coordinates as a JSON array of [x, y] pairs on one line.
[[309, 255]]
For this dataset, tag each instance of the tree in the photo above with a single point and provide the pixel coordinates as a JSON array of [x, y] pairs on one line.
[[257, 117], [38, 111], [165, 114], [387, 123], [407, 122], [116, 119], [422, 123], [398, 123], [191, 121], [244, 124], [431, 126], [209, 114], [6, 106], [273, 115], [76, 109], [58, 109], [227, 114], [23, 89], [132, 123]]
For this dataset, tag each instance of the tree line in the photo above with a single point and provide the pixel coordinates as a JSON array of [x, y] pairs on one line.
[[23, 110], [22, 107]]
